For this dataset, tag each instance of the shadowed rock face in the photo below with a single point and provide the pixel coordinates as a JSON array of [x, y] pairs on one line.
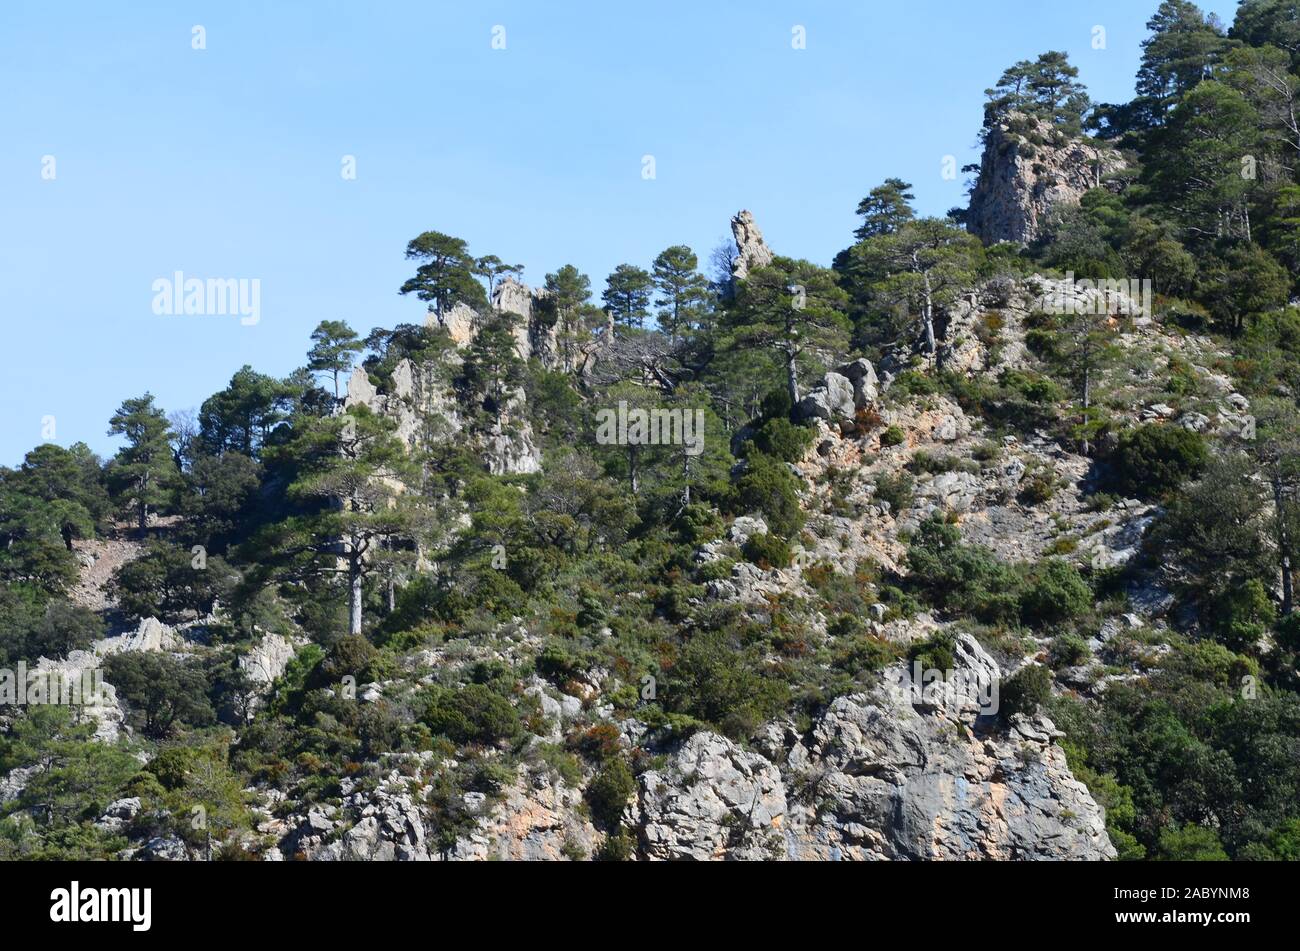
[[1025, 175]]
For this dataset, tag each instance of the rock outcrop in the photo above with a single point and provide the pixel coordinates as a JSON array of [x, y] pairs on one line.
[[426, 410], [105, 710], [712, 801], [897, 773], [841, 393], [751, 251], [894, 775], [536, 818], [1025, 174]]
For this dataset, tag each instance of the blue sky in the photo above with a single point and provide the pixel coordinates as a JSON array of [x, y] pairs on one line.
[[225, 162]]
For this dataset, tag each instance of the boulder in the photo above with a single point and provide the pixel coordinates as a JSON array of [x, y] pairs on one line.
[[866, 387], [831, 399]]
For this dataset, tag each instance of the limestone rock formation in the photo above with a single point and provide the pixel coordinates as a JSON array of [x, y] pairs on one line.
[[889, 776], [426, 409], [535, 335], [537, 818], [713, 800], [751, 250], [106, 711], [841, 393], [1024, 175]]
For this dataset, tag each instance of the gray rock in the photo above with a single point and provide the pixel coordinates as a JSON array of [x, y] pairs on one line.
[[267, 659], [745, 527], [163, 848], [118, 814], [1020, 183], [866, 387], [751, 251], [831, 399], [898, 780], [713, 800]]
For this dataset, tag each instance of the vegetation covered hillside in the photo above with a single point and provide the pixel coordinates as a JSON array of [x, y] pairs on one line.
[[663, 575]]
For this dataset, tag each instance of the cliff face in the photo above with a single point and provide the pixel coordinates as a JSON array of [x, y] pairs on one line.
[[1025, 174]]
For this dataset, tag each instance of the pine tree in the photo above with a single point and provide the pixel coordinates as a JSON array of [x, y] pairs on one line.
[[351, 469], [493, 369], [923, 267], [492, 269], [447, 275], [627, 295], [793, 307], [887, 208], [683, 291], [567, 290], [334, 350], [1046, 89], [1182, 50], [143, 473]]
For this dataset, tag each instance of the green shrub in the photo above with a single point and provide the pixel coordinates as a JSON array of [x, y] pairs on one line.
[[782, 439], [1055, 592], [608, 793], [892, 436], [616, 848], [769, 487], [472, 714], [963, 579], [698, 524], [1069, 650], [1243, 615], [767, 551], [1191, 843], [1031, 386], [715, 570], [720, 681], [1153, 460], [1037, 488], [938, 652], [1027, 690], [896, 490]]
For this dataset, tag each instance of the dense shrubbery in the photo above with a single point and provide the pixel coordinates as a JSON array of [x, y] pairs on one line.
[[767, 551], [1153, 460], [767, 486], [472, 714], [1025, 691]]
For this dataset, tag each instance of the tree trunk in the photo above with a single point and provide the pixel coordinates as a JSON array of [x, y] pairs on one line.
[[1283, 545], [928, 315], [1087, 399], [792, 378], [354, 600]]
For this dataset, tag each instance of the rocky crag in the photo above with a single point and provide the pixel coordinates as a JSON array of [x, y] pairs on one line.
[[1028, 171]]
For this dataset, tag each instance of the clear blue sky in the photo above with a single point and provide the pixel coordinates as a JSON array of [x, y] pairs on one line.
[[225, 162]]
